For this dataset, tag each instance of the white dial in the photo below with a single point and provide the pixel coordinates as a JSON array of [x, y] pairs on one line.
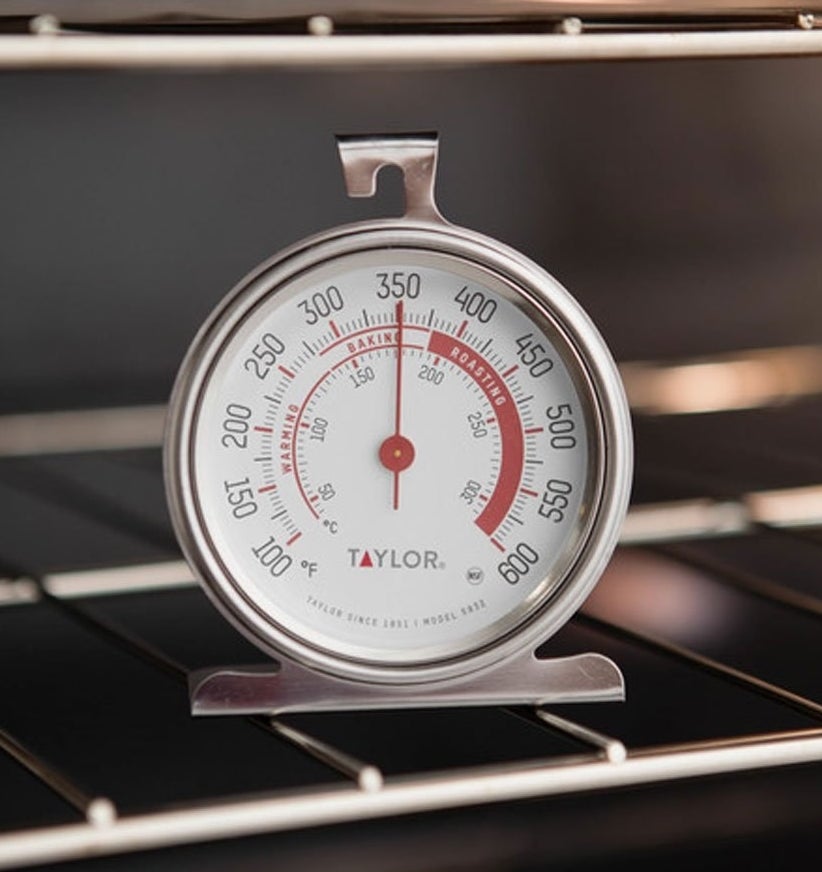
[[395, 456]]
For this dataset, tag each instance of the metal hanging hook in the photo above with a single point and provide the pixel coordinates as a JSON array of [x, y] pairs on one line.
[[415, 154]]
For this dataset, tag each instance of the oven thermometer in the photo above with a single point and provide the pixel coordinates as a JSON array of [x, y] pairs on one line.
[[398, 458]]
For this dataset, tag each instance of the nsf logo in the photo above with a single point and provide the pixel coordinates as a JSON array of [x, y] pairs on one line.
[[474, 575]]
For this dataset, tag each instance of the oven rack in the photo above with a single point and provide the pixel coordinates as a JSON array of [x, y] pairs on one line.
[[348, 34], [594, 760]]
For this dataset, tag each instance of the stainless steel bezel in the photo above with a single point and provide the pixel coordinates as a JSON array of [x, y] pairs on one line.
[[608, 419]]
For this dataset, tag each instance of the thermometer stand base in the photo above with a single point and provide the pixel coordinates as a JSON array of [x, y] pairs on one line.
[[281, 687]]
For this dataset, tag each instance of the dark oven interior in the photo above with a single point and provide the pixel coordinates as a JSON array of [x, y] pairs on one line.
[[680, 201]]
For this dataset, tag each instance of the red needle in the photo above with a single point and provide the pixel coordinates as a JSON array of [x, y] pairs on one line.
[[398, 401], [397, 452], [398, 406]]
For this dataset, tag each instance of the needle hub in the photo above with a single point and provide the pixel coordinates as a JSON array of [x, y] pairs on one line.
[[397, 453]]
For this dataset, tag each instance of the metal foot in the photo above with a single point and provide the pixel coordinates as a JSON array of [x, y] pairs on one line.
[[277, 688]]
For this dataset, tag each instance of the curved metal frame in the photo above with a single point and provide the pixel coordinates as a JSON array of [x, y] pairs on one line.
[[584, 344]]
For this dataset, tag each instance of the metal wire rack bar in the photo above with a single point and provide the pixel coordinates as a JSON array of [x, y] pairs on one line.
[[715, 667], [270, 813], [35, 479], [366, 775], [97, 810], [655, 526], [653, 388], [610, 748], [75, 51], [110, 429], [749, 582]]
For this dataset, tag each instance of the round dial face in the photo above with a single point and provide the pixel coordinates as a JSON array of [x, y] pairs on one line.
[[394, 457]]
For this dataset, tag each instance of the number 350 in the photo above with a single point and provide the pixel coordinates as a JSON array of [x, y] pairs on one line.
[[398, 285]]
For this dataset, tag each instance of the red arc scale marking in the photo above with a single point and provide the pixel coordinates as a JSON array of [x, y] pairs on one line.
[[502, 402]]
